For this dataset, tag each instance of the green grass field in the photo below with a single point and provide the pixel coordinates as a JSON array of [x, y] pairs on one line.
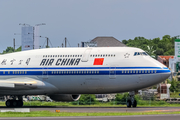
[[141, 103], [54, 114]]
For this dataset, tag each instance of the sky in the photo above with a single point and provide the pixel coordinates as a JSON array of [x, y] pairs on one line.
[[83, 20]]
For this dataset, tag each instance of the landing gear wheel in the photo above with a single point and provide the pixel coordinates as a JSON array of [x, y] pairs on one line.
[[9, 103], [14, 103], [128, 103], [134, 104]]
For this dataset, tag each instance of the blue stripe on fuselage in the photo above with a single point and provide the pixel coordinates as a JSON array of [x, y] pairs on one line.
[[81, 68], [55, 71]]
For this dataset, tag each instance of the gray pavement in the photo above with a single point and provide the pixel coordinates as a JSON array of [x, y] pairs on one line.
[[140, 117]]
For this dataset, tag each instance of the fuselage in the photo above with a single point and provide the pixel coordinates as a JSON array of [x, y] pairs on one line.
[[79, 71]]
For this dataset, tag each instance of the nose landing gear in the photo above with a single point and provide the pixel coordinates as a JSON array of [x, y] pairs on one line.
[[131, 100], [14, 103]]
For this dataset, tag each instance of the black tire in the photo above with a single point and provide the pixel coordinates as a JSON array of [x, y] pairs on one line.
[[128, 103], [14, 103], [9, 103], [135, 103]]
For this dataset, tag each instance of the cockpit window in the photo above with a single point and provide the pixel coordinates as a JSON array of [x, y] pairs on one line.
[[140, 53]]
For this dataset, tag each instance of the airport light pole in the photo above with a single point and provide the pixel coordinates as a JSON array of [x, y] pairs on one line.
[[47, 41]]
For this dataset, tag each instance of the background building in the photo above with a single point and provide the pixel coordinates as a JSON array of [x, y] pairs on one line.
[[103, 42]]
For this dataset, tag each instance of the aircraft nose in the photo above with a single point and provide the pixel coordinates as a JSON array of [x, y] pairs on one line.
[[166, 74]]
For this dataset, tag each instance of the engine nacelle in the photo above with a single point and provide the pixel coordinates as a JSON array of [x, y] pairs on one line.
[[65, 97]]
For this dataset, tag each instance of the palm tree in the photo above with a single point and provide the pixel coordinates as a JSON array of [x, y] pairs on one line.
[[150, 51]]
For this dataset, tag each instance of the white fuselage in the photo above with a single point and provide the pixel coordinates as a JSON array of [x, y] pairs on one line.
[[79, 71]]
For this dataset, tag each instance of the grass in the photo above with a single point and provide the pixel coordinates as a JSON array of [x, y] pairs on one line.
[[141, 103], [174, 95], [61, 114]]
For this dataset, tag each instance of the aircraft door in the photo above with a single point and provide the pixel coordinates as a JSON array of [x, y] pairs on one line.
[[112, 72], [45, 73], [86, 55]]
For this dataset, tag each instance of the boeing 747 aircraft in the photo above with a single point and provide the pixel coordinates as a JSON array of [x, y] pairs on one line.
[[65, 73]]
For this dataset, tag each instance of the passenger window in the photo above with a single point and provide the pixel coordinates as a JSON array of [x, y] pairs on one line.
[[52, 72], [136, 71], [140, 71], [98, 72], [95, 72]]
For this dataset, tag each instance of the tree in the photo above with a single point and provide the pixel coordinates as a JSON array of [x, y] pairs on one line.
[[174, 86], [150, 51], [10, 50], [164, 46], [87, 99]]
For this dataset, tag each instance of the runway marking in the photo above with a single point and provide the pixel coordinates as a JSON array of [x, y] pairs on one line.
[[172, 110]]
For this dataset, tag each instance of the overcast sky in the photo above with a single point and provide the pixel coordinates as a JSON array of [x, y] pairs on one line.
[[83, 20]]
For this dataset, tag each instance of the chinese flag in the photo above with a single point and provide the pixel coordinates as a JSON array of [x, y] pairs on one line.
[[98, 61]]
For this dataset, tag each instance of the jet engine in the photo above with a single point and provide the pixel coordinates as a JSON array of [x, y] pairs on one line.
[[65, 97]]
